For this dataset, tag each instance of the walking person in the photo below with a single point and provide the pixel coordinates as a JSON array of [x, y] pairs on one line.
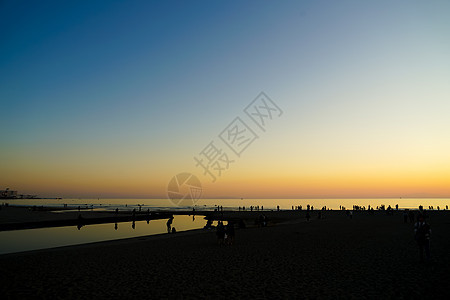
[[422, 232], [220, 232], [169, 224], [229, 230]]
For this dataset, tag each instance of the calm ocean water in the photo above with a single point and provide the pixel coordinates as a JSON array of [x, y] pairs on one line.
[[233, 204]]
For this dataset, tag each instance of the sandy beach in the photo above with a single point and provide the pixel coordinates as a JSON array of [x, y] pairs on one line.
[[366, 257]]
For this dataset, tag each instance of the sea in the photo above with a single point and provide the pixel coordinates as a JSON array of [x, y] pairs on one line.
[[43, 238], [230, 204]]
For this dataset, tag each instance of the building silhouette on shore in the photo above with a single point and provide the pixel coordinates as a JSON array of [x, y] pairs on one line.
[[10, 194]]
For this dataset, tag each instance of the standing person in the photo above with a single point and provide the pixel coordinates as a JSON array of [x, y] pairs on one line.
[[422, 231], [169, 224], [411, 216], [229, 230], [220, 232]]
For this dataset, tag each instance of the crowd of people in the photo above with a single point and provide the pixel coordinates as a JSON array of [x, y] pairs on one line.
[[422, 230]]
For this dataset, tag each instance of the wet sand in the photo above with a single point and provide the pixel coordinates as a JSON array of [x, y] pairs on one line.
[[19, 214], [368, 256], [22, 217], [16, 218]]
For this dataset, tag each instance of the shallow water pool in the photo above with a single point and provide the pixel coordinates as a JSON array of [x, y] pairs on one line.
[[43, 238]]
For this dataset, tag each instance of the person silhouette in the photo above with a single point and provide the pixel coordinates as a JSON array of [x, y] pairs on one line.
[[80, 222], [220, 232], [229, 230], [169, 224], [422, 232]]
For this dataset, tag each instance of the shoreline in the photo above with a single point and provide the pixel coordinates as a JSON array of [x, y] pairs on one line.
[[248, 217], [30, 217]]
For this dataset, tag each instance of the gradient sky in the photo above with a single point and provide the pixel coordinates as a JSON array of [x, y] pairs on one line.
[[113, 98]]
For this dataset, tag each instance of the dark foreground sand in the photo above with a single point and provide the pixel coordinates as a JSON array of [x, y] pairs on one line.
[[367, 257]]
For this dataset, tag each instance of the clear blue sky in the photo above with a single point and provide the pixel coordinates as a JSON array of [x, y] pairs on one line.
[[137, 88]]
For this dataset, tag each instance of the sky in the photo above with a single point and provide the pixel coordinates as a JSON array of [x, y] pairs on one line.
[[115, 98]]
